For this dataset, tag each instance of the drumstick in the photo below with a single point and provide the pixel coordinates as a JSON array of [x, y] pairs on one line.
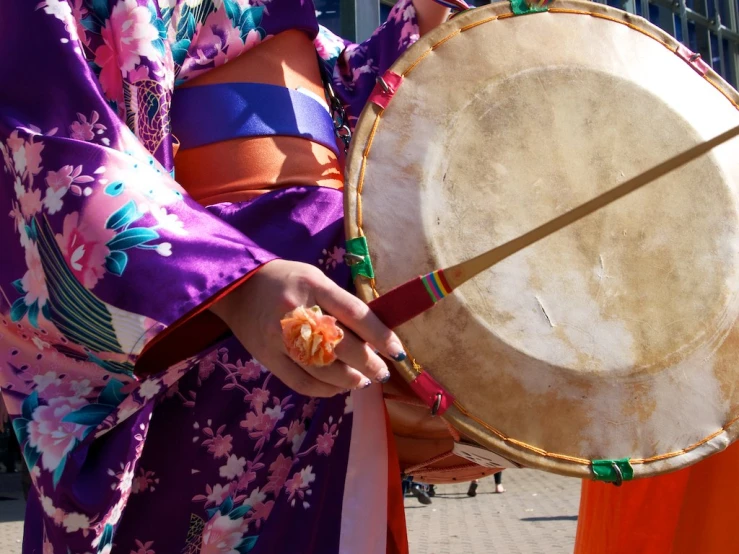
[[414, 297]]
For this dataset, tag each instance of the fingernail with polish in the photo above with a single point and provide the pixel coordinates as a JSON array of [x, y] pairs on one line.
[[384, 377], [400, 356], [365, 383], [396, 352]]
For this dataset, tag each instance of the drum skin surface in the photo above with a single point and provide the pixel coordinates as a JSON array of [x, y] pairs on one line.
[[614, 338]]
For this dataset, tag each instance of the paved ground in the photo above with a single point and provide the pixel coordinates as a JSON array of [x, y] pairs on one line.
[[11, 513], [537, 515]]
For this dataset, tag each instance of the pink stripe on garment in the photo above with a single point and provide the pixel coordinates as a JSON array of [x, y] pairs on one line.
[[364, 508]]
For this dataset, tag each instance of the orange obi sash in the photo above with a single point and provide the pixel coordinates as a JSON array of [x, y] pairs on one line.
[[241, 169]]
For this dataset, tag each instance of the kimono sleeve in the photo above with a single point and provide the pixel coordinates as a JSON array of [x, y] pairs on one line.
[[101, 242]]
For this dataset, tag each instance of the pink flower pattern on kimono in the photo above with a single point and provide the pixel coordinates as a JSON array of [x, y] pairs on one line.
[[34, 280], [31, 203], [222, 534], [249, 475], [85, 128], [278, 472], [298, 486], [218, 445], [325, 441], [144, 481], [261, 424], [258, 398], [143, 547], [215, 496], [26, 156], [309, 408], [332, 258], [84, 249], [128, 37], [207, 365], [50, 435], [59, 182], [219, 35], [250, 370], [261, 511]]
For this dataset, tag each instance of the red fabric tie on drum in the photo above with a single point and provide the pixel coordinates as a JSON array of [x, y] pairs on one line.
[[694, 60], [432, 393], [385, 88]]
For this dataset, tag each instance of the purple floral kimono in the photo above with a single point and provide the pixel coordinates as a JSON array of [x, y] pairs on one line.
[[101, 250]]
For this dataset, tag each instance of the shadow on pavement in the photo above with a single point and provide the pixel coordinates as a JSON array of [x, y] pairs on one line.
[[550, 518], [464, 495]]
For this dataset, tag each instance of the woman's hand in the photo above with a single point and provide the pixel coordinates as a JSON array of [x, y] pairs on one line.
[[254, 310]]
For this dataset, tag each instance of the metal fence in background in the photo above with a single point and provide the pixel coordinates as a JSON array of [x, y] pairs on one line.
[[709, 27]]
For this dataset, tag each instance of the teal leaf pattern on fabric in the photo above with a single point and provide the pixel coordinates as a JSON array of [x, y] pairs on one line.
[[92, 414], [18, 310], [100, 9], [123, 216], [33, 314], [131, 238], [116, 262], [29, 405], [114, 189], [232, 10], [89, 24], [32, 230], [239, 512], [106, 539], [111, 394], [31, 455], [189, 26], [250, 20], [59, 471], [179, 50], [18, 286], [20, 426], [227, 506], [247, 544]]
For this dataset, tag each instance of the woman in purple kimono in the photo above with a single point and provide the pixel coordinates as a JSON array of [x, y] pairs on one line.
[[141, 355]]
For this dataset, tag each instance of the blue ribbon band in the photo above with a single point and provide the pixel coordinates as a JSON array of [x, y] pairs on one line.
[[213, 113]]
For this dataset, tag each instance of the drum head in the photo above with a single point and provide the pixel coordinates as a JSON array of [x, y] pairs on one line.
[[613, 338]]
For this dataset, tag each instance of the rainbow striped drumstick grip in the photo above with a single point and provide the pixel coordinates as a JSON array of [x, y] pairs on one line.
[[410, 299]]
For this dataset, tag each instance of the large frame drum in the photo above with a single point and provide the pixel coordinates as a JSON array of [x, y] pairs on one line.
[[608, 349]]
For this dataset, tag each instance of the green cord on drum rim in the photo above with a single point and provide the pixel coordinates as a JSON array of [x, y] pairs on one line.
[[613, 471], [522, 7], [358, 258]]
